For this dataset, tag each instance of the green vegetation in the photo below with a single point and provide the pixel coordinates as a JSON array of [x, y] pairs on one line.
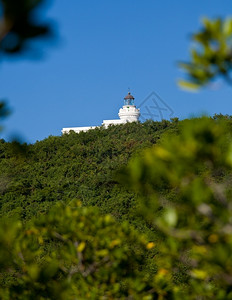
[[211, 55], [196, 220], [73, 238], [76, 166], [79, 221], [73, 253]]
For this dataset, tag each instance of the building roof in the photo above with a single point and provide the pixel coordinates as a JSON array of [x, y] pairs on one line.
[[129, 96]]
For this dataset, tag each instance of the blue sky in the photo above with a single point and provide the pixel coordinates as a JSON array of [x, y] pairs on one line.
[[104, 47]]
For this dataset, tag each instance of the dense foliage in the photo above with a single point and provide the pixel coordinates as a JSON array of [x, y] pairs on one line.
[[75, 166], [73, 253], [169, 234], [196, 221], [71, 250]]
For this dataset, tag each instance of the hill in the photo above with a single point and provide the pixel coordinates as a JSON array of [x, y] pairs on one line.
[[75, 166], [105, 215]]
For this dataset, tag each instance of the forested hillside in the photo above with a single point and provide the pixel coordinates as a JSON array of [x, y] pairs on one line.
[[135, 211], [75, 166]]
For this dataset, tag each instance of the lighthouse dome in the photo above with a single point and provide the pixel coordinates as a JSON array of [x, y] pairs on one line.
[[129, 99], [129, 96]]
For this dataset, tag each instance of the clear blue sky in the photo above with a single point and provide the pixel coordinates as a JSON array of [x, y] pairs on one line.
[[103, 48]]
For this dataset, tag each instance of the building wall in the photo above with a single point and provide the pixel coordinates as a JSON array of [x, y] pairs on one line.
[[77, 129], [128, 113]]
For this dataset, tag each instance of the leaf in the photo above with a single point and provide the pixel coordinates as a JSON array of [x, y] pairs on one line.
[[187, 85], [170, 217], [81, 247], [227, 27], [200, 274]]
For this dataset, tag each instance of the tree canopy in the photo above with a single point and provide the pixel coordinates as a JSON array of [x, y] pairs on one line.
[[168, 235]]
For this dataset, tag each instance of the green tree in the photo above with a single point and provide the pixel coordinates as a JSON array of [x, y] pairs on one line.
[[75, 253], [195, 218], [211, 55]]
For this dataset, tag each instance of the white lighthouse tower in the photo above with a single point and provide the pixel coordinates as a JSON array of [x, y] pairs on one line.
[[127, 114]]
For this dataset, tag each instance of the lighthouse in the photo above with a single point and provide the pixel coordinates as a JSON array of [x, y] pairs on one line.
[[127, 114]]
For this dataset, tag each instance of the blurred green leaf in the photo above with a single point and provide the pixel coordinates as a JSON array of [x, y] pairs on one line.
[[211, 55]]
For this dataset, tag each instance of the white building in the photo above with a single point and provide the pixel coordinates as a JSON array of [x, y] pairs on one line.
[[128, 113]]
